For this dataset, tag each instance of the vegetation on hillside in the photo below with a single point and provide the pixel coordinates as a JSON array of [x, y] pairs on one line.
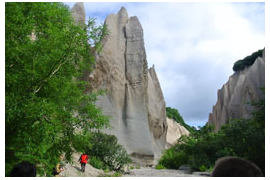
[[45, 104], [247, 61], [240, 137], [174, 114]]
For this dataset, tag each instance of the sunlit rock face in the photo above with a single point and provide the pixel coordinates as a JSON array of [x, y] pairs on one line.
[[133, 99], [175, 131]]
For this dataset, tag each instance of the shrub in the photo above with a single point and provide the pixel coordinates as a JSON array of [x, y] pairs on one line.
[[106, 148], [160, 166], [203, 168], [96, 162], [173, 158], [247, 61], [238, 65]]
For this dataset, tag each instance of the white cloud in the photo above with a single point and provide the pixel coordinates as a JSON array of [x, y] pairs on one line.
[[194, 46]]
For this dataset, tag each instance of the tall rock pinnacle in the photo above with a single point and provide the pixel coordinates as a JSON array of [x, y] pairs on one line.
[[133, 98]]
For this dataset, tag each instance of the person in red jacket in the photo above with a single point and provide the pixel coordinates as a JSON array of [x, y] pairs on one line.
[[83, 160]]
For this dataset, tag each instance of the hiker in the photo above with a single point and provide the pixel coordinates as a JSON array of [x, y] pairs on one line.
[[59, 167], [24, 169], [83, 160]]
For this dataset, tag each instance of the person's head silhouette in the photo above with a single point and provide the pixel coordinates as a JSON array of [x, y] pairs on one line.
[[23, 169]]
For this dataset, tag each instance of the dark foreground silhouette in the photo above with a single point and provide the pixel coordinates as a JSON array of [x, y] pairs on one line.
[[235, 167], [24, 169]]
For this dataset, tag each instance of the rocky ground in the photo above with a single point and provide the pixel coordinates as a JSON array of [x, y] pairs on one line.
[[74, 170], [152, 172]]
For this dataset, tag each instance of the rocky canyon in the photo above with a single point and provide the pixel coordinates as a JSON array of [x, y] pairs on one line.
[[133, 97]]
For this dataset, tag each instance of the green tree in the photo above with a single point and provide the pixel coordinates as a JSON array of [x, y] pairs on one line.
[[45, 103]]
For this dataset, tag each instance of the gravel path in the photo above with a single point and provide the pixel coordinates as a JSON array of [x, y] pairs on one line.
[[151, 172]]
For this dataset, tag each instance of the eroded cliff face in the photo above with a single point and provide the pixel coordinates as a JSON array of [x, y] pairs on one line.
[[175, 131], [156, 113], [133, 98], [233, 98]]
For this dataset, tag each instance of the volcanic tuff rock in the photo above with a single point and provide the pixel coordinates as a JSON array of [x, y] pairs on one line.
[[78, 13], [175, 131], [156, 113], [242, 88], [133, 98]]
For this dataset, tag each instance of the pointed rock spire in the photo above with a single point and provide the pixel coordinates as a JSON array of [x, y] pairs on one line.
[[122, 12], [134, 100], [78, 13], [122, 17]]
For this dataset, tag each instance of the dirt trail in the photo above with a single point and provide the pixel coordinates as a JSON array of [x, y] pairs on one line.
[[151, 172], [74, 170]]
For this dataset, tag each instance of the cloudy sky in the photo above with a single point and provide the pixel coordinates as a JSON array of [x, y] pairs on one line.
[[193, 46]]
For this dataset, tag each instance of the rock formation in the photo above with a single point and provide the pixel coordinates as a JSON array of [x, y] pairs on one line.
[[133, 98], [156, 113], [233, 98], [78, 13], [232, 166], [175, 131]]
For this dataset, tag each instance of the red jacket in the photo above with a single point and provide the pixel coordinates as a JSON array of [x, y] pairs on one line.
[[84, 158]]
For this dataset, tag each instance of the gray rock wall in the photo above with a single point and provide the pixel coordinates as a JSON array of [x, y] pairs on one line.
[[156, 113], [241, 88], [133, 98]]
